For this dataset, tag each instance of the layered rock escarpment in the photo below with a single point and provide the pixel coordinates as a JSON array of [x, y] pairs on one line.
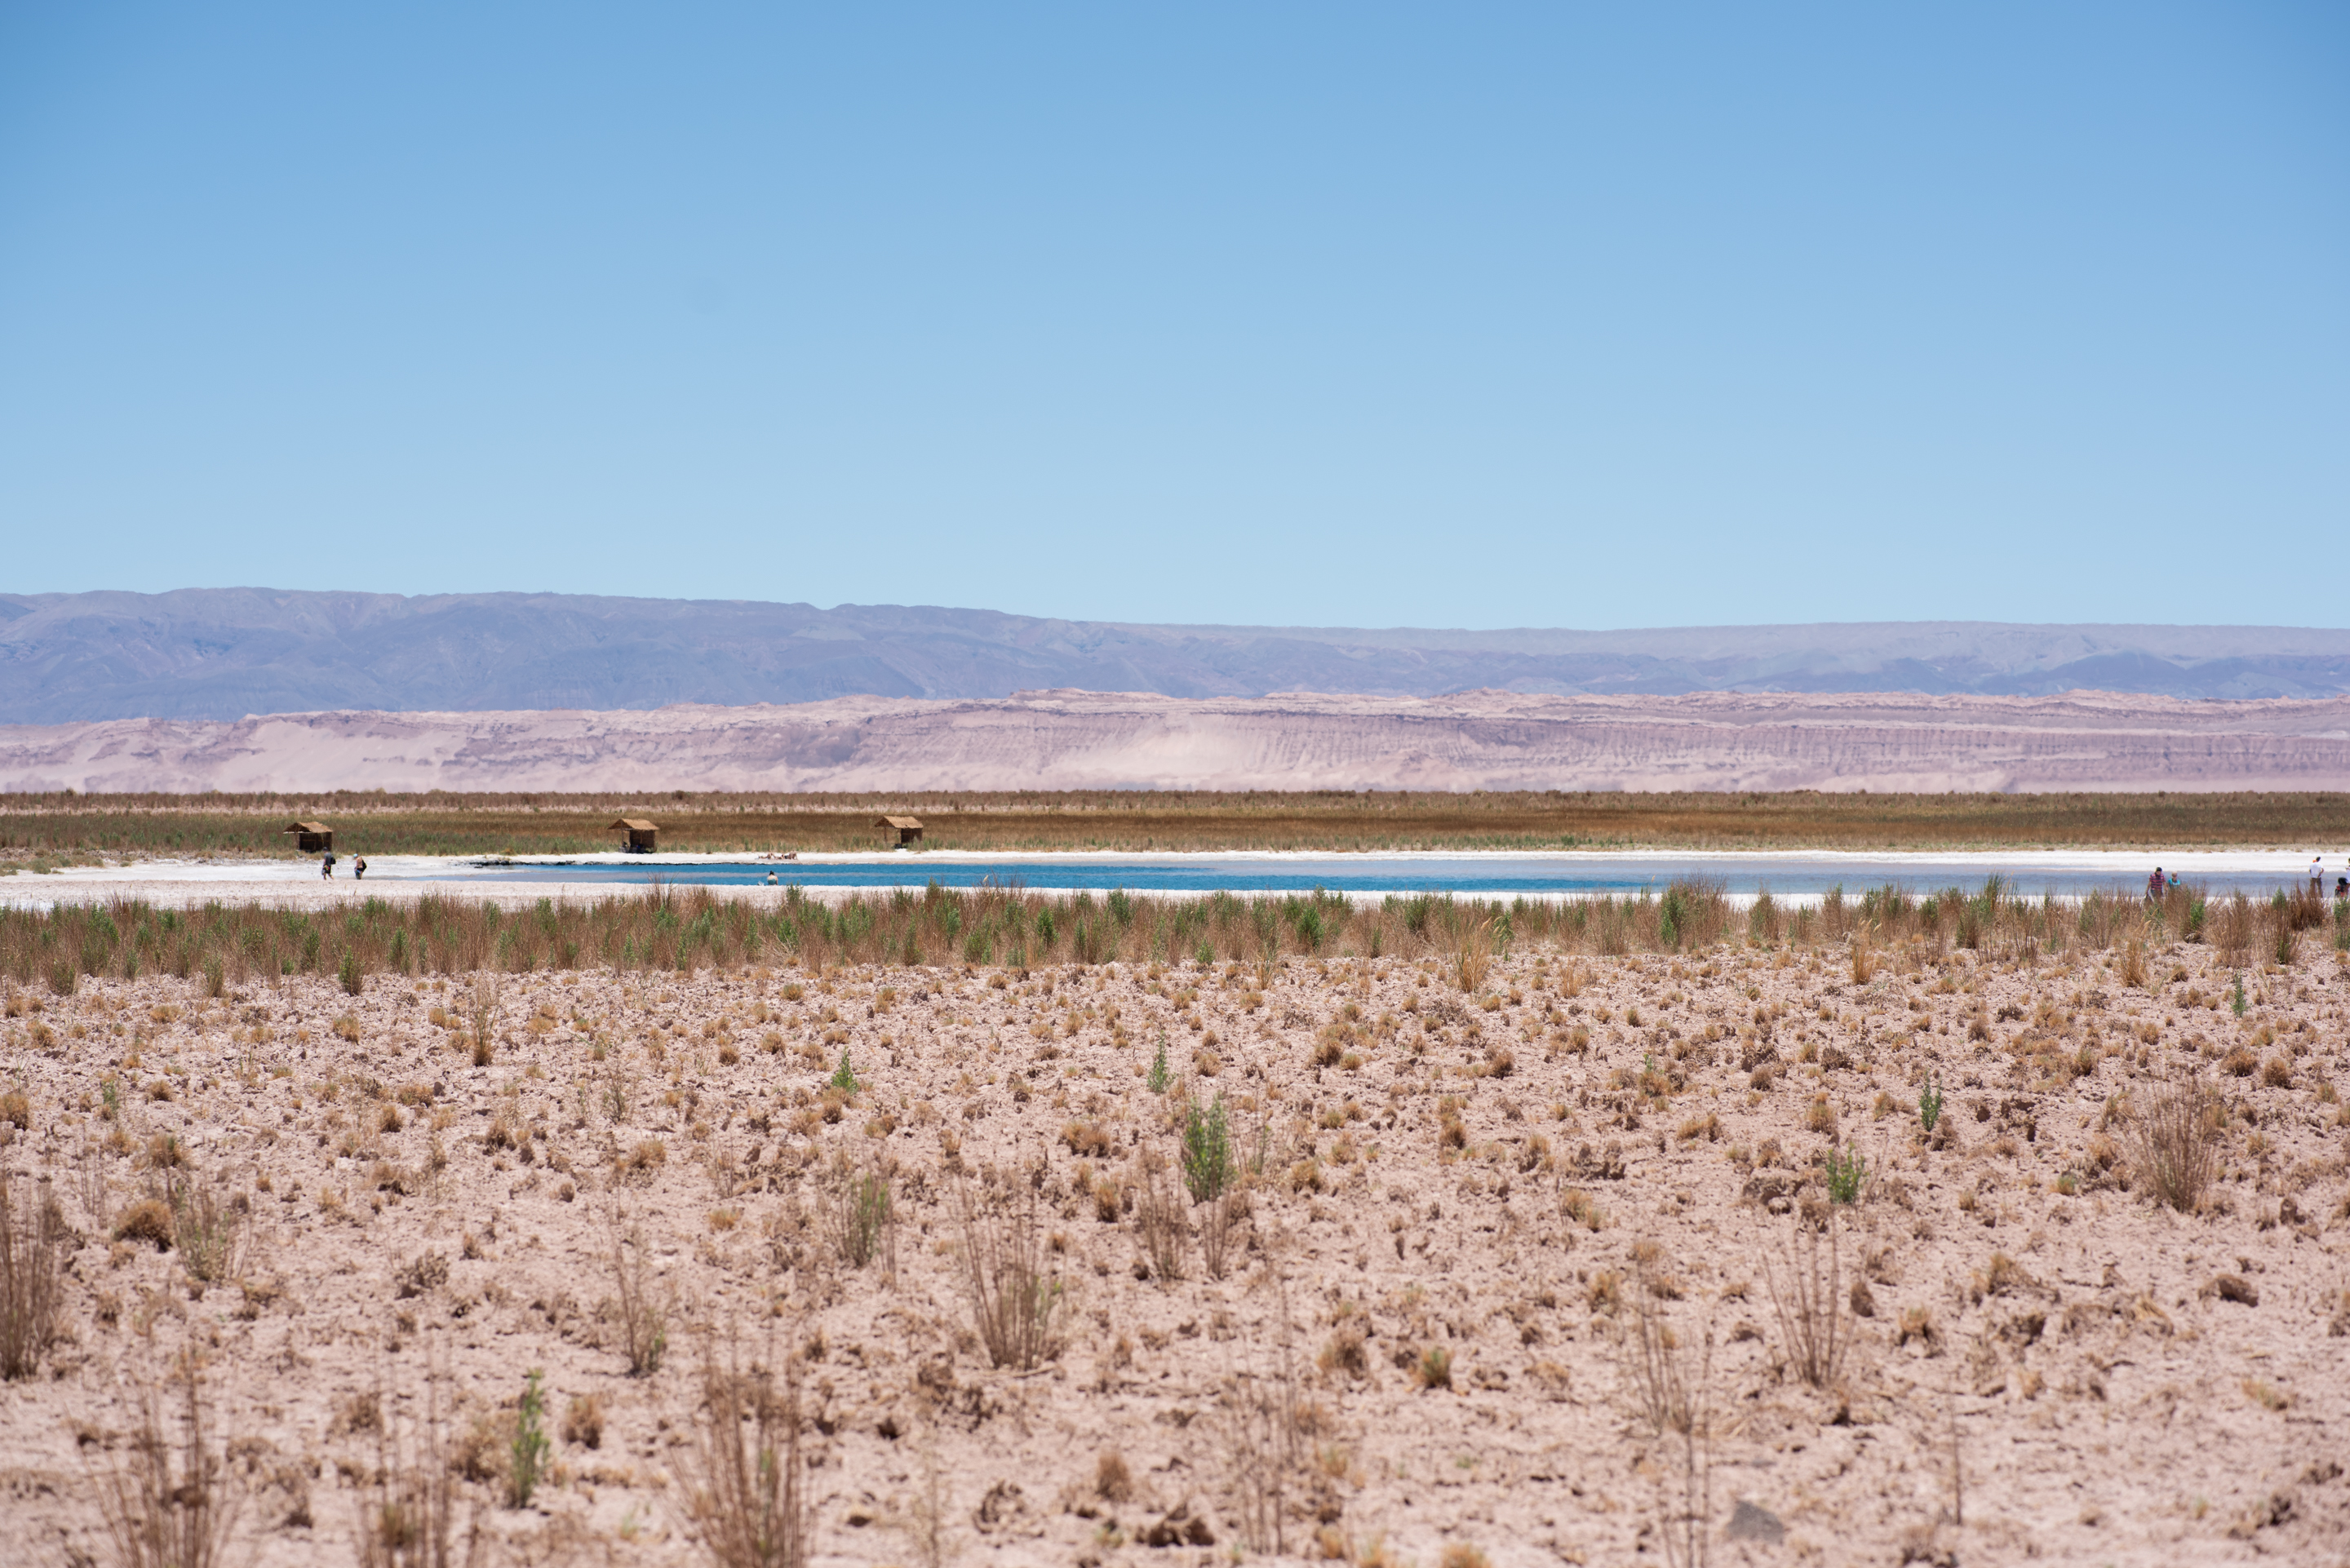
[[1075, 739]]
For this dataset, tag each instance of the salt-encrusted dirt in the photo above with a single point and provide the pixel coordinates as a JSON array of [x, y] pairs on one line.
[[2087, 1389]]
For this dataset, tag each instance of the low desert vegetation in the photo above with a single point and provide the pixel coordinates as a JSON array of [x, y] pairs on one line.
[[1015, 1299], [46, 829], [681, 930], [2177, 1140], [1276, 1248], [1815, 1323], [169, 1499], [32, 1261], [750, 1493], [409, 1518], [865, 1225], [640, 1301]]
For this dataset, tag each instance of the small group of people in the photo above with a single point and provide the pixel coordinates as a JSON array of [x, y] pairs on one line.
[[326, 865], [2158, 883]]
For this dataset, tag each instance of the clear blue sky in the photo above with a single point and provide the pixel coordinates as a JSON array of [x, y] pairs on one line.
[[1444, 316]]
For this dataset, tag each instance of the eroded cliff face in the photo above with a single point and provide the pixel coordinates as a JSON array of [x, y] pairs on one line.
[[1075, 739]]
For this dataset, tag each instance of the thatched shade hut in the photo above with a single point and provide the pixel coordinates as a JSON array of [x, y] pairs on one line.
[[311, 838], [643, 835], [908, 830]]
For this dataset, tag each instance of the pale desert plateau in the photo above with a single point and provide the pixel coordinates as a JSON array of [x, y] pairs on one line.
[[1063, 739]]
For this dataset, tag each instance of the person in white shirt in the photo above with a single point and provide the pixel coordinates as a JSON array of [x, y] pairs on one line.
[[2317, 877]]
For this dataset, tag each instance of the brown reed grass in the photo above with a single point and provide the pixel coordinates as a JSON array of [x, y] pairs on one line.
[[1158, 1218], [32, 1268], [2175, 1145], [169, 1504], [410, 1517], [751, 1497], [677, 929], [440, 823], [1814, 1330], [1015, 1303]]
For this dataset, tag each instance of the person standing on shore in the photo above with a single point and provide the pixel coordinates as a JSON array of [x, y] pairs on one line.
[[2317, 877], [358, 869], [2154, 885], [327, 864]]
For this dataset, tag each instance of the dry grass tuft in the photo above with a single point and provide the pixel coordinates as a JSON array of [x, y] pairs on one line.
[[1469, 954], [1158, 1217], [1656, 1364], [168, 1504], [210, 1230], [410, 1518], [149, 1219], [1267, 1448], [1113, 1480], [2174, 1148], [750, 1488], [32, 1266], [1014, 1304], [1813, 1331], [1221, 1222], [644, 1323], [583, 1421], [481, 1001], [865, 1223]]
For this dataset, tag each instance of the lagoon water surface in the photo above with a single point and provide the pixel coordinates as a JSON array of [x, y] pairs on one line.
[[1485, 875]]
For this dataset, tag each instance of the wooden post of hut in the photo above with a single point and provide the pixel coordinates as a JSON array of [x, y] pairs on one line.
[[643, 836], [311, 838], [908, 830]]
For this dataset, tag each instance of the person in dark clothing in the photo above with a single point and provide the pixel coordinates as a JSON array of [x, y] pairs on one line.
[[358, 868], [327, 864]]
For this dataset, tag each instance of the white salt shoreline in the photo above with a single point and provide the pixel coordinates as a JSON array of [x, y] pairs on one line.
[[296, 883]]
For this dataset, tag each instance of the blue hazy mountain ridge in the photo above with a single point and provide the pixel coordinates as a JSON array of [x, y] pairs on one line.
[[224, 653]]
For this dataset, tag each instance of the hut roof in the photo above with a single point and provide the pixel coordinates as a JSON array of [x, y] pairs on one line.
[[634, 823], [899, 821], [306, 827]]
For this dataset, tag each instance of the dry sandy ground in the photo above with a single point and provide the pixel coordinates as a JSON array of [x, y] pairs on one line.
[[2086, 1392]]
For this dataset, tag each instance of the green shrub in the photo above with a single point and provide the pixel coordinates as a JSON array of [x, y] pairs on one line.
[[1846, 1173], [1208, 1166], [530, 1447], [1160, 1076]]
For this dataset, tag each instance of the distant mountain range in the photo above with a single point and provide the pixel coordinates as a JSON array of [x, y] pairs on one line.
[[224, 653]]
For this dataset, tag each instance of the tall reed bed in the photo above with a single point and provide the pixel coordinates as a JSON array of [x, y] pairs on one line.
[[672, 928]]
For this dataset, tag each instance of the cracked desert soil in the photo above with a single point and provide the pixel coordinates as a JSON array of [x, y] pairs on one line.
[[2085, 1376]]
